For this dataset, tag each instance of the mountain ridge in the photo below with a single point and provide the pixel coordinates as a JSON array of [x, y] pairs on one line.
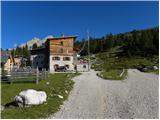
[[34, 40]]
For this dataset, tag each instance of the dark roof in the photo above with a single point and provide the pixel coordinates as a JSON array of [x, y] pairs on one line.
[[62, 37], [38, 51], [4, 56], [75, 49]]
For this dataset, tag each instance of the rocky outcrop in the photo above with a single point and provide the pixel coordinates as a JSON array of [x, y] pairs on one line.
[[38, 41]]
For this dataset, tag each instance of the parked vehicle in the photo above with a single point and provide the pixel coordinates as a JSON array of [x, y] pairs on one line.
[[61, 69]]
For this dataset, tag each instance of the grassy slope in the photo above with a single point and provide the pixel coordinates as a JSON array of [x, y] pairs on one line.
[[110, 65], [58, 84]]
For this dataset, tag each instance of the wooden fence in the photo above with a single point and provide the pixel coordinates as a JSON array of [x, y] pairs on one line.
[[33, 76]]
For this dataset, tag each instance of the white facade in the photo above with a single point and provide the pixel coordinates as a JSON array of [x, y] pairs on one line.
[[60, 62], [82, 67]]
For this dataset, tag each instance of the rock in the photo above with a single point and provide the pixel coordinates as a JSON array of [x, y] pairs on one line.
[[2, 107], [140, 67], [30, 97], [144, 69], [66, 91], [47, 83], [60, 96], [155, 67]]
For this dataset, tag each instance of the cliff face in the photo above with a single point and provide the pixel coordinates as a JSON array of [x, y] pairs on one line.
[[38, 41]]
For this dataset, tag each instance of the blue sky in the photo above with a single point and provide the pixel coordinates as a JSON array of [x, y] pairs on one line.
[[22, 21]]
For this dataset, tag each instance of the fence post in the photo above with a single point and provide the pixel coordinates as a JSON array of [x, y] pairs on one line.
[[37, 76], [42, 74], [10, 80], [46, 74]]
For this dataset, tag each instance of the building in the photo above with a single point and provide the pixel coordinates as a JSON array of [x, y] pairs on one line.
[[10, 63], [7, 61], [39, 58], [19, 61], [58, 53], [82, 65]]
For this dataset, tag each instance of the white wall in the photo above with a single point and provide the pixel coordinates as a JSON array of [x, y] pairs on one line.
[[60, 62], [80, 67]]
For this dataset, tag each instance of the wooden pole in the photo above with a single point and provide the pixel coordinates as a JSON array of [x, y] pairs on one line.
[[37, 76], [88, 51], [45, 74]]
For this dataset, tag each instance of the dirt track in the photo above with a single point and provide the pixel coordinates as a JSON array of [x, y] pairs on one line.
[[93, 97]]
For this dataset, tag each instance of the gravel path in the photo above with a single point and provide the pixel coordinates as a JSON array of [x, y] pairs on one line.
[[93, 97]]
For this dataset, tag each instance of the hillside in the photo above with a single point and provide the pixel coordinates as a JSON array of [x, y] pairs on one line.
[[136, 42]]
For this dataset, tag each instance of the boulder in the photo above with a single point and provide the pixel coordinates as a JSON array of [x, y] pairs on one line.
[[145, 69], [155, 67], [47, 83], [30, 97]]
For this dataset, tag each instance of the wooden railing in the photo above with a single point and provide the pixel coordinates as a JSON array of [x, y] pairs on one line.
[[33, 76]]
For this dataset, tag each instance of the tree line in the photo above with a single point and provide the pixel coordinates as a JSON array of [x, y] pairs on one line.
[[21, 51], [24, 51], [137, 42]]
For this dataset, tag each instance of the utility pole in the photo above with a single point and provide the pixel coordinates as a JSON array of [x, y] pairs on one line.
[[88, 51], [15, 45]]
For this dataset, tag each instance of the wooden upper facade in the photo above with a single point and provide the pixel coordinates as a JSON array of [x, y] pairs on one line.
[[61, 46]]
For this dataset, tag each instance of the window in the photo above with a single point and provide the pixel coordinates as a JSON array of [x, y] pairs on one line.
[[61, 43], [84, 66], [67, 66], [55, 58], [66, 58], [61, 50]]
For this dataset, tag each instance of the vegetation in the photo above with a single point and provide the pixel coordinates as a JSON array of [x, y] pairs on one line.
[[116, 62], [109, 63], [114, 74], [58, 85], [137, 42], [22, 51]]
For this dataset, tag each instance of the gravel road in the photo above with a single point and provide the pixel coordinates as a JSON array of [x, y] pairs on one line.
[[93, 97]]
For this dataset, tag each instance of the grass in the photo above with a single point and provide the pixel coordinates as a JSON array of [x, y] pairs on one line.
[[110, 64], [154, 71], [98, 65], [58, 84], [113, 74]]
